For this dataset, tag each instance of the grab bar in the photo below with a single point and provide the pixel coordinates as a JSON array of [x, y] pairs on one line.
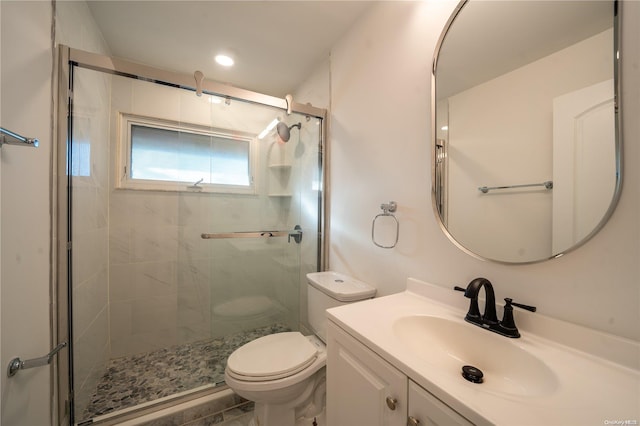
[[10, 138], [17, 364], [296, 234], [547, 184]]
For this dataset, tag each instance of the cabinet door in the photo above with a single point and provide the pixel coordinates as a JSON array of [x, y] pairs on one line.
[[427, 410], [359, 383]]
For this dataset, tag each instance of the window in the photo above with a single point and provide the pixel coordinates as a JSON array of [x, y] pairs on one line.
[[164, 155]]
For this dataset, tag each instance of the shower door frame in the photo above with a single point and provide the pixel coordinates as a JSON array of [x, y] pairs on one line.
[[68, 59]]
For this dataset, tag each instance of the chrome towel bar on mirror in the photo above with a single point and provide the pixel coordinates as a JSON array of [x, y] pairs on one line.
[[296, 234], [10, 138], [17, 364], [547, 184]]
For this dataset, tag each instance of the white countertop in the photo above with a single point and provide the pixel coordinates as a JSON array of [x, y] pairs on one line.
[[598, 387]]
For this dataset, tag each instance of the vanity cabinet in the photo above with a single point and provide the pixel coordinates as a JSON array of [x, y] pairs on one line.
[[427, 410], [364, 389]]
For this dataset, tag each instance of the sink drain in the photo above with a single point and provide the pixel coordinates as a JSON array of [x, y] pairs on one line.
[[472, 374]]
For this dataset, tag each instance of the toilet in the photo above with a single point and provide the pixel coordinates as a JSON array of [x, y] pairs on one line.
[[284, 373]]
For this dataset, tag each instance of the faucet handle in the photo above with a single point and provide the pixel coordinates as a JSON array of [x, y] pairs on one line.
[[509, 301], [473, 315], [508, 324]]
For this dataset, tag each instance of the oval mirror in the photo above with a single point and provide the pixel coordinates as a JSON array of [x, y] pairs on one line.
[[526, 147]]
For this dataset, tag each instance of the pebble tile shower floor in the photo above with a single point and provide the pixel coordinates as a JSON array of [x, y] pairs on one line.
[[132, 380]]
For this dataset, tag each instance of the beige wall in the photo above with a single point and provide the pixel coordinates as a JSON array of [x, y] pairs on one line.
[[25, 74], [380, 139]]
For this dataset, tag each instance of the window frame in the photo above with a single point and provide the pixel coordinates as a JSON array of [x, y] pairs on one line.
[[123, 158]]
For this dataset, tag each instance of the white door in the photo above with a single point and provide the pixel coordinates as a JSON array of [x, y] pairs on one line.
[[584, 163]]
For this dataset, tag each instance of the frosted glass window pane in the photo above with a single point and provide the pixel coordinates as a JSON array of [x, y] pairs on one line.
[[171, 155], [80, 147], [80, 158]]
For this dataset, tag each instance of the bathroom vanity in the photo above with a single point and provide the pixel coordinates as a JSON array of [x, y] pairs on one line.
[[397, 360], [378, 393]]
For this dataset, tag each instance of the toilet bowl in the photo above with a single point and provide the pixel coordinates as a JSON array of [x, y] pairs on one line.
[[284, 373]]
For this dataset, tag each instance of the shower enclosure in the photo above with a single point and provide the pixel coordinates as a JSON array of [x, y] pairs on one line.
[[186, 227]]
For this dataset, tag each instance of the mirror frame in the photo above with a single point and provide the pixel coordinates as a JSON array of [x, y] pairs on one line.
[[617, 36]]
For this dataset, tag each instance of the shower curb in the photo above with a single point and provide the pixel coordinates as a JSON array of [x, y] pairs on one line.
[[212, 409]]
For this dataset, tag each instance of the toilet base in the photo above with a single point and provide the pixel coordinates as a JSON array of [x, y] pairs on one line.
[[319, 420], [300, 411]]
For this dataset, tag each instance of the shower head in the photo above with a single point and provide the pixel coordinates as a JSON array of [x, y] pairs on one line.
[[284, 131]]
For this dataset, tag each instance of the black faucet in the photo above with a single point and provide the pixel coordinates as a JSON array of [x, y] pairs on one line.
[[472, 291], [489, 319]]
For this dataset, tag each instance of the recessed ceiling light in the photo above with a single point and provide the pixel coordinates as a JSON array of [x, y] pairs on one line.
[[224, 60]]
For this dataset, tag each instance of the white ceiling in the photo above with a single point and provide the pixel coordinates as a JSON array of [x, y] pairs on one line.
[[276, 44]]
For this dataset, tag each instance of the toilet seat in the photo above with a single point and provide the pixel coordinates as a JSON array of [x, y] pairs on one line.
[[272, 357]]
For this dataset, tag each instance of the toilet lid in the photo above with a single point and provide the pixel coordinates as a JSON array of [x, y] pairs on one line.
[[272, 357]]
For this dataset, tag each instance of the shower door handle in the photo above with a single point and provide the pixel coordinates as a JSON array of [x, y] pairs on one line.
[[296, 234], [18, 364]]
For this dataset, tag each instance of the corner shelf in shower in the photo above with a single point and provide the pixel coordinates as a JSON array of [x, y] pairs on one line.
[[279, 180]]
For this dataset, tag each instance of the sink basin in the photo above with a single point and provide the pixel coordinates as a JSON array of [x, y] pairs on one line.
[[449, 345]]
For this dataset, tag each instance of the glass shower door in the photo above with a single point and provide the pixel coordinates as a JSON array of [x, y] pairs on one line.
[[157, 308], [250, 257]]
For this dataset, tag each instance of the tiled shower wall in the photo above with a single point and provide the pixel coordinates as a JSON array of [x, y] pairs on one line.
[[167, 285], [90, 233]]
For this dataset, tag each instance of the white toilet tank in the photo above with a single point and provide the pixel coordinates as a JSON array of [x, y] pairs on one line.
[[328, 290]]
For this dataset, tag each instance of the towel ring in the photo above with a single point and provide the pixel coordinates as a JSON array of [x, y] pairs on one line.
[[387, 210]]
